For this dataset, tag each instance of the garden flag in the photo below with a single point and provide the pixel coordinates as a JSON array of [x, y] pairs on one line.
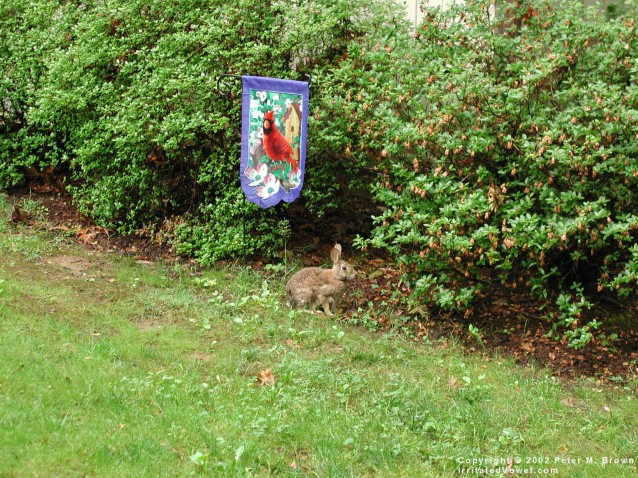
[[273, 139]]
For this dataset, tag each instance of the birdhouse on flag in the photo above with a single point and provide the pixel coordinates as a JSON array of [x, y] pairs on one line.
[[273, 140]]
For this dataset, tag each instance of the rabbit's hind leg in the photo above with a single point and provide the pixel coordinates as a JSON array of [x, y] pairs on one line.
[[325, 302]]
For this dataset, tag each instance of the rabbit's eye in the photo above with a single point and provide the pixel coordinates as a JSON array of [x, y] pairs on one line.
[[344, 268]]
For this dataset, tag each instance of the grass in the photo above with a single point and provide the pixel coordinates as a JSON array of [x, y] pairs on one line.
[[111, 368]]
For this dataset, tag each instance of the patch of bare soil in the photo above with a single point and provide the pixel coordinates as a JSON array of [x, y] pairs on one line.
[[75, 265], [508, 322], [63, 218]]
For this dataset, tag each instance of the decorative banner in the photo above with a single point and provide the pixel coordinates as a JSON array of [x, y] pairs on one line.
[[273, 139]]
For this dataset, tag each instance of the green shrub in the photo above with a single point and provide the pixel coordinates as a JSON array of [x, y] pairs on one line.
[[27, 35], [503, 146], [125, 96]]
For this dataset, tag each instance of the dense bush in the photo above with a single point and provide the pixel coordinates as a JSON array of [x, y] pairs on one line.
[[27, 35], [501, 143], [123, 94], [504, 145]]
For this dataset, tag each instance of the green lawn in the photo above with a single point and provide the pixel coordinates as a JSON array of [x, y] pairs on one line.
[[110, 368]]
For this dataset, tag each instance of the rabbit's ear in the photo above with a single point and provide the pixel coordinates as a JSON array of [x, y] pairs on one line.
[[335, 254]]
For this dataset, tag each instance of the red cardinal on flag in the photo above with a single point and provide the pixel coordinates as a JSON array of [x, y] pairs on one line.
[[276, 146]]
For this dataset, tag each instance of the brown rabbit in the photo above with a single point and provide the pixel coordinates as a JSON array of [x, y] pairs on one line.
[[313, 286]]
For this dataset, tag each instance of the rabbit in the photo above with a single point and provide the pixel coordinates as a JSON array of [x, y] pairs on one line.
[[313, 286]]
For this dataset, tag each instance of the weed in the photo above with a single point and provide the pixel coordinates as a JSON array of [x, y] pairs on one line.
[[476, 334], [365, 317]]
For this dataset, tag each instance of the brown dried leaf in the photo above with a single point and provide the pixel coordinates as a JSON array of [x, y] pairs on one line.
[[266, 377], [292, 343], [19, 216], [88, 234]]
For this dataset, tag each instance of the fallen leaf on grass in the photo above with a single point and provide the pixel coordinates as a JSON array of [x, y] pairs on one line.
[[292, 343], [266, 377]]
